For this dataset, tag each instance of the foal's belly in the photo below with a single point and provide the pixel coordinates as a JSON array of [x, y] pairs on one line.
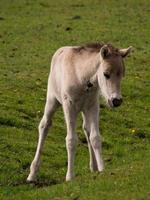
[[86, 101], [80, 99]]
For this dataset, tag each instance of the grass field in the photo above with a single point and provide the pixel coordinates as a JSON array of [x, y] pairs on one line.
[[30, 32]]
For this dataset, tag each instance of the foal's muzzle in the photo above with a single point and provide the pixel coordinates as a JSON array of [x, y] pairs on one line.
[[114, 102]]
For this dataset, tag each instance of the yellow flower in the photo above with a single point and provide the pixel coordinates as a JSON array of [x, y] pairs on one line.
[[133, 130]]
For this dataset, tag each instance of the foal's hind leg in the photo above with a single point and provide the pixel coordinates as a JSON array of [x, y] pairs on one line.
[[45, 123], [91, 114], [86, 128]]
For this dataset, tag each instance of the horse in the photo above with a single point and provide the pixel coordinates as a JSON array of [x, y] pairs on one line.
[[78, 76]]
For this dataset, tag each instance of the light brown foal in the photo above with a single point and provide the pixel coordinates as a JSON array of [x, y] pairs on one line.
[[77, 77]]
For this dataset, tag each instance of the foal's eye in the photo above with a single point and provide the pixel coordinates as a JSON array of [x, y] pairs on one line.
[[107, 76]]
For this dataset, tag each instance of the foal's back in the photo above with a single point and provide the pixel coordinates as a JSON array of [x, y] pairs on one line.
[[71, 66]]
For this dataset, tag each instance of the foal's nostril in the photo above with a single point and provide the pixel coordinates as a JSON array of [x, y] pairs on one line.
[[116, 102]]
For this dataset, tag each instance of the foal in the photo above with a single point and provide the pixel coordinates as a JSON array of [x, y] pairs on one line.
[[78, 74]]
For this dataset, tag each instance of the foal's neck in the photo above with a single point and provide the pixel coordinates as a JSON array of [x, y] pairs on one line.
[[93, 69]]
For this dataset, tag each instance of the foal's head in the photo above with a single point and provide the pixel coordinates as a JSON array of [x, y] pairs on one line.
[[110, 73]]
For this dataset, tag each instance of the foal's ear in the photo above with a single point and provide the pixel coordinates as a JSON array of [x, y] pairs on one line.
[[125, 52], [104, 51]]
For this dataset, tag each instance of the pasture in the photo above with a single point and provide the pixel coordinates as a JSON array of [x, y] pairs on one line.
[[30, 32]]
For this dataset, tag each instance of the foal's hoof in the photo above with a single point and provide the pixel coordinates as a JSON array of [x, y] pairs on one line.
[[30, 182], [69, 177], [30, 179], [95, 168]]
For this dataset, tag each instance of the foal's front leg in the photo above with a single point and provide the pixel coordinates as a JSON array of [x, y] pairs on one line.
[[71, 138], [91, 117]]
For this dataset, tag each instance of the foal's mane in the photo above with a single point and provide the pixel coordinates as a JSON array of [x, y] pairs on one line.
[[95, 47], [91, 47]]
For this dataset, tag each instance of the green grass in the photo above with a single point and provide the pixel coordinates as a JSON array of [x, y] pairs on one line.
[[30, 32]]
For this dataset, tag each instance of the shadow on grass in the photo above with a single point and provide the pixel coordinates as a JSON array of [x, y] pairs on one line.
[[18, 123], [38, 183]]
